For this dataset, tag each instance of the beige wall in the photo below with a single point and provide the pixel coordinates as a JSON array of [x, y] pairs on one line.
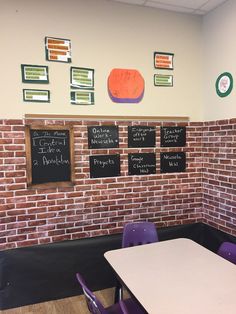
[[219, 56], [104, 35]]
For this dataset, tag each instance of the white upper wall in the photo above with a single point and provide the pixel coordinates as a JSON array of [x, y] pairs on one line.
[[104, 35], [219, 56]]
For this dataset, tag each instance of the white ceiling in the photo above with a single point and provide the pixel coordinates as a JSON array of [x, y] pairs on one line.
[[187, 6]]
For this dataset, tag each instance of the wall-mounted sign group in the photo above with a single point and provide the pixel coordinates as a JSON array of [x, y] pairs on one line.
[[104, 166], [58, 49], [125, 86], [106, 136], [174, 136], [141, 136], [224, 84]]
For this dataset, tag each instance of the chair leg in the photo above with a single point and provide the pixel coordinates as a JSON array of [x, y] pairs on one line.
[[118, 292]]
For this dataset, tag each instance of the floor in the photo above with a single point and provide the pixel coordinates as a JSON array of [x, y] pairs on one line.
[[73, 305]]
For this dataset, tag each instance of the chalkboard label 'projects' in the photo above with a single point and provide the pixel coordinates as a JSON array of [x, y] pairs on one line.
[[174, 136], [49, 155], [141, 136], [104, 166], [105, 136], [173, 162]]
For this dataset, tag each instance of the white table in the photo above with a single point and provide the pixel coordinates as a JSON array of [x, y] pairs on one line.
[[177, 277]]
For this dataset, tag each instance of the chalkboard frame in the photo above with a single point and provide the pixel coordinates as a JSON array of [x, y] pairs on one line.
[[30, 183]]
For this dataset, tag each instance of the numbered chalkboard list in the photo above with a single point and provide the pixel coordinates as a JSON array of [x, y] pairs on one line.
[[104, 166], [173, 162], [106, 136], [174, 136], [50, 156], [141, 136], [142, 163]]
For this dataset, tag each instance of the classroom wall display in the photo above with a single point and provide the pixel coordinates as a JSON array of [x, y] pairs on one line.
[[58, 49], [82, 78], [163, 80], [174, 136], [34, 74], [105, 136], [141, 136], [172, 162], [104, 166], [224, 84], [142, 163], [163, 60], [125, 86], [49, 155], [36, 95], [81, 98]]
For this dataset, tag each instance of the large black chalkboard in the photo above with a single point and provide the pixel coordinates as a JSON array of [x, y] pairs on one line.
[[141, 136], [142, 163], [173, 162], [104, 166], [173, 136], [49, 155], [105, 136]]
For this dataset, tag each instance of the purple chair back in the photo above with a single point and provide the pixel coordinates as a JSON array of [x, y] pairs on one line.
[[228, 251], [138, 233], [94, 305]]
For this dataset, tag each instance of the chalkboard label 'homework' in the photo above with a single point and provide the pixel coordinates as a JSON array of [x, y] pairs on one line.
[[141, 136], [106, 136], [173, 162], [174, 136], [104, 166], [142, 163], [49, 155]]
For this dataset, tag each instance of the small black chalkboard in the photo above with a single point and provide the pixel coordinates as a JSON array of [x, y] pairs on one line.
[[106, 136], [142, 163], [49, 155], [173, 162], [141, 136], [174, 136], [104, 166]]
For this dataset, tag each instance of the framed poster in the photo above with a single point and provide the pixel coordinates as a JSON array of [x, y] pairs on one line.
[[163, 80], [163, 60], [82, 78], [81, 97], [58, 49], [36, 95], [34, 74]]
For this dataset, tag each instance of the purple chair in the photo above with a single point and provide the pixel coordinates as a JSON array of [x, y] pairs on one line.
[[227, 250], [136, 233], [139, 233], [96, 307]]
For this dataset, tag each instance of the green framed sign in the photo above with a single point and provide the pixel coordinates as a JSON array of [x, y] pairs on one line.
[[224, 84], [34, 74]]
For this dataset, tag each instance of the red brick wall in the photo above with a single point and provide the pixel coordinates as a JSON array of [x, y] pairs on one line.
[[101, 206], [219, 174]]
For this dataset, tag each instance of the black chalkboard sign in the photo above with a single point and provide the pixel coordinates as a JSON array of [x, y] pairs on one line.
[[142, 163], [173, 162], [141, 136], [174, 136], [105, 136], [49, 155], [104, 166]]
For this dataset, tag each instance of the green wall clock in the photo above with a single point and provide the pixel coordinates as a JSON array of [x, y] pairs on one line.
[[224, 84]]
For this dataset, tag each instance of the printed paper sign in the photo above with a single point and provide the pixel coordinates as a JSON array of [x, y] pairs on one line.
[[82, 78], [58, 49], [163, 80], [82, 98], [163, 60], [36, 95], [34, 74]]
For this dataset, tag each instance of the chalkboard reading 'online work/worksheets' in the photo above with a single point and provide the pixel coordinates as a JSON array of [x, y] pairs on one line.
[[49, 152], [174, 136], [106, 136]]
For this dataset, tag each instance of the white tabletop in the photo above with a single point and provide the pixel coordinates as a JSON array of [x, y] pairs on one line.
[[177, 277]]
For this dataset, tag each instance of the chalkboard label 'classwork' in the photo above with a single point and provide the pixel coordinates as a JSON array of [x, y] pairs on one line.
[[141, 136], [106, 136], [49, 155], [104, 166], [142, 163], [173, 162], [174, 136]]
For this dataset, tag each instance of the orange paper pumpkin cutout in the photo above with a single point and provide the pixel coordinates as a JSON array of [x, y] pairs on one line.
[[125, 86]]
